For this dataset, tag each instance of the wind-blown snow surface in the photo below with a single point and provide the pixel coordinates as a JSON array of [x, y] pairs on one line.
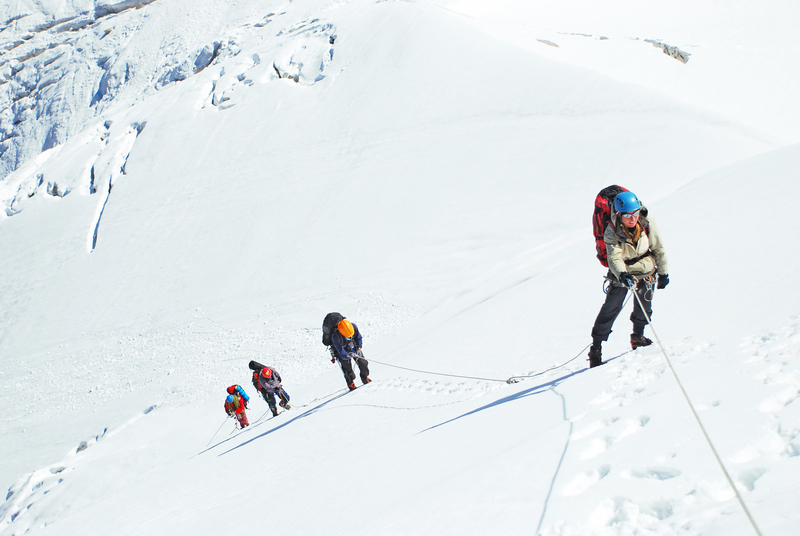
[[433, 183]]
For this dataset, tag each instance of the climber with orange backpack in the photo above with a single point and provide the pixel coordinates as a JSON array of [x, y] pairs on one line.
[[629, 244]]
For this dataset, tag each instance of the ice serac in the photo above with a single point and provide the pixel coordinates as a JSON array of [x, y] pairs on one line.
[[63, 67]]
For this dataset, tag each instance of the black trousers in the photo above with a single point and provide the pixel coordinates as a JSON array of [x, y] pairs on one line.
[[270, 397], [615, 298], [347, 368]]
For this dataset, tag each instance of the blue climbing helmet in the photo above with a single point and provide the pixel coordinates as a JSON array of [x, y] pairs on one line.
[[626, 202], [229, 399]]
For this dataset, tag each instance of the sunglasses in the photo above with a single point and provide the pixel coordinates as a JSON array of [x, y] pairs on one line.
[[629, 215]]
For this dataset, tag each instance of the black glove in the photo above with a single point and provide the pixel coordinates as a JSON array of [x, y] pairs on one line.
[[663, 280], [627, 280]]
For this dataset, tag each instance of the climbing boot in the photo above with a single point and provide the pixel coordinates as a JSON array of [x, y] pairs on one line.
[[351, 386], [595, 356], [637, 341], [274, 412]]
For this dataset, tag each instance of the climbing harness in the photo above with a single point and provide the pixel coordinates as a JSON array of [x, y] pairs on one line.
[[649, 280], [699, 422]]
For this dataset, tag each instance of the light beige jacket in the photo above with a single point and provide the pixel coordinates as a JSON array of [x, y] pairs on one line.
[[621, 249]]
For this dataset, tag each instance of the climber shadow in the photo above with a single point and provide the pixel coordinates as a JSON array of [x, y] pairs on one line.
[[516, 396], [287, 423]]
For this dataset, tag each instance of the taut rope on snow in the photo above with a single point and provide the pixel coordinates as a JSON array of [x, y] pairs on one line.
[[564, 363], [317, 399], [215, 433], [697, 418], [511, 379], [236, 428], [436, 373]]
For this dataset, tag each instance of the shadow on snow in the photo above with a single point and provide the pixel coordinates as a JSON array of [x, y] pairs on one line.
[[517, 396], [287, 423]]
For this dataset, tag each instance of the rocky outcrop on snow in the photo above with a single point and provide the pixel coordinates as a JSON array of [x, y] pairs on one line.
[[670, 50]]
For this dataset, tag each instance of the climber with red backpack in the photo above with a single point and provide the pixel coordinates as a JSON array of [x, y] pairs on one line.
[[237, 389], [235, 405], [268, 382], [629, 244]]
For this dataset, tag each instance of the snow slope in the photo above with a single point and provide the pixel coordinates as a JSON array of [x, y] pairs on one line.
[[433, 183]]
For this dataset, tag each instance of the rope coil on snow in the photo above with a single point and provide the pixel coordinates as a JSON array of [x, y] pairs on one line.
[[697, 418]]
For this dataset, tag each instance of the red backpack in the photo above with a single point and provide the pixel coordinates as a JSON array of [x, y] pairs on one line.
[[603, 205]]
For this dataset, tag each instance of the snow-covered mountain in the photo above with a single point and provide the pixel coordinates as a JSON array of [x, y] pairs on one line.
[[191, 185]]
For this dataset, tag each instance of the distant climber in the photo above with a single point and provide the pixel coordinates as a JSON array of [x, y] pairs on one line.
[[635, 255], [237, 389], [235, 406], [268, 382], [346, 344]]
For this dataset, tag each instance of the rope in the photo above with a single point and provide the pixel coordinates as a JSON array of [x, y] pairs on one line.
[[438, 373], [259, 419], [317, 399], [573, 359], [215, 433], [551, 368], [697, 418], [512, 379]]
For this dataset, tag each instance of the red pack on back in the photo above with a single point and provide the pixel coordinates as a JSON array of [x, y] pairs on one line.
[[603, 205]]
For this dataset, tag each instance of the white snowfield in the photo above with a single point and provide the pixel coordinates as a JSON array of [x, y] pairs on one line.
[[189, 185]]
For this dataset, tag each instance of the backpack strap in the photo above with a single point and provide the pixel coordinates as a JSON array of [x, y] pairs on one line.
[[630, 262]]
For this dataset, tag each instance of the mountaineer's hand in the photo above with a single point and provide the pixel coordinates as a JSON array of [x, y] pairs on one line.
[[627, 280]]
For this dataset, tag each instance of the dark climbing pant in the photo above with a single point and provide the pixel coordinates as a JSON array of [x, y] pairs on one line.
[[347, 368], [270, 398], [615, 298]]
